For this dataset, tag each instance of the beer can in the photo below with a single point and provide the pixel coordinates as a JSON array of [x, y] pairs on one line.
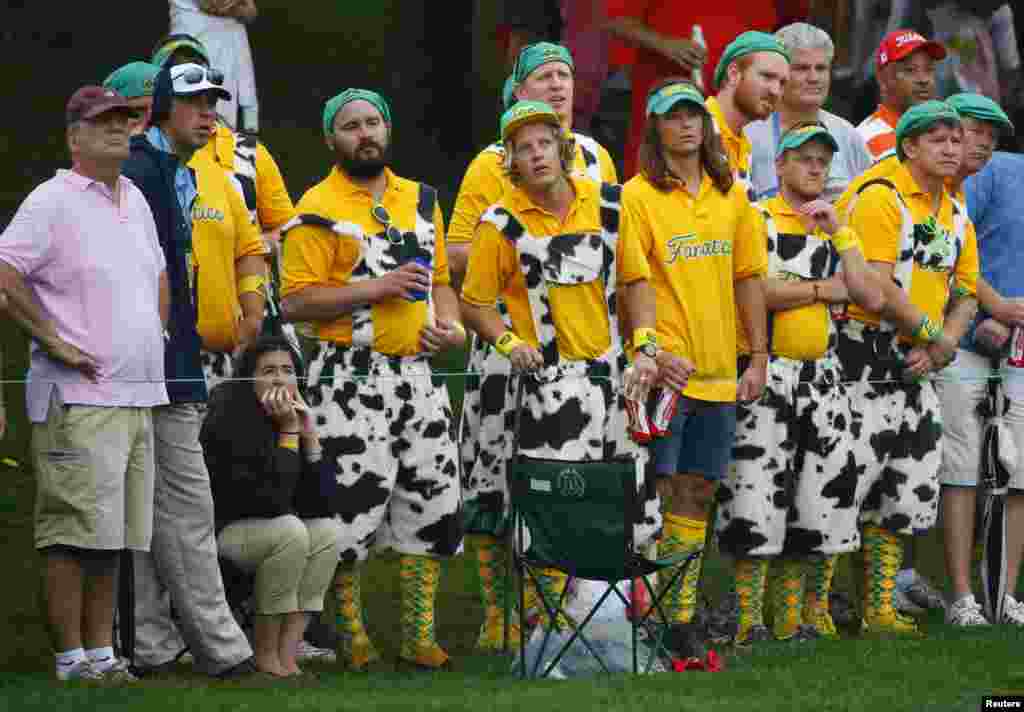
[[638, 426], [1016, 356], [665, 403]]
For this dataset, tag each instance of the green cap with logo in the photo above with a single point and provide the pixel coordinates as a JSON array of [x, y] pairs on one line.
[[977, 106], [919, 118], [175, 42], [532, 56], [525, 112], [747, 43], [334, 105], [795, 138], [664, 99], [133, 80]]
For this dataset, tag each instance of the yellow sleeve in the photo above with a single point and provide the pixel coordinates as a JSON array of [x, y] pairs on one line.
[[639, 227], [750, 245], [273, 204], [604, 159], [968, 265], [248, 240], [481, 188], [631, 255], [441, 274], [877, 221], [492, 263]]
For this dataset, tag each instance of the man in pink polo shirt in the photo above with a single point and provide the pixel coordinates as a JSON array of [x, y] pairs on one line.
[[85, 276]]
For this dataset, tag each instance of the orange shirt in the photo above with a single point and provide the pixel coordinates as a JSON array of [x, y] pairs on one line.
[[879, 132]]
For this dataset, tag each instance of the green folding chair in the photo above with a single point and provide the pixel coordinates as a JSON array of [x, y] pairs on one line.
[[579, 516]]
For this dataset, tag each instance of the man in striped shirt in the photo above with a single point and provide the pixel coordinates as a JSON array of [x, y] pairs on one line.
[[905, 67]]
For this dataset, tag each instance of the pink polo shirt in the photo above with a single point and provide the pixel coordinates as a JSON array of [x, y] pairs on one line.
[[94, 266]]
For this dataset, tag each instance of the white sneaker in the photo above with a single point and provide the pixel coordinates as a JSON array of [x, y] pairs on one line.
[[308, 651], [1013, 611], [118, 673], [82, 670], [965, 613]]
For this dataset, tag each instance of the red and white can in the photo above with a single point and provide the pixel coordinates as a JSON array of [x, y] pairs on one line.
[[1016, 356]]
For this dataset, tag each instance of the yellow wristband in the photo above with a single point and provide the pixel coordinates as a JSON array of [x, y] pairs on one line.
[[643, 336], [846, 239], [251, 283], [507, 343], [457, 325], [290, 442]]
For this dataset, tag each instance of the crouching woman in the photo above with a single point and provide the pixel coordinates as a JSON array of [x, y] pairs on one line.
[[272, 497]]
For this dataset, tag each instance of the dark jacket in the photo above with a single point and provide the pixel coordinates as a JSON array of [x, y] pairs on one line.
[[152, 170], [250, 474]]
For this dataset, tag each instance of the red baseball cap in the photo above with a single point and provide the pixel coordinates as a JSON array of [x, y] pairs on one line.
[[91, 101], [902, 43]]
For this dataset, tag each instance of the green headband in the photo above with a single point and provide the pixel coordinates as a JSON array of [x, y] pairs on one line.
[[508, 92], [918, 119], [533, 56], [164, 53], [661, 101], [797, 138], [333, 106], [133, 80], [981, 108], [747, 43]]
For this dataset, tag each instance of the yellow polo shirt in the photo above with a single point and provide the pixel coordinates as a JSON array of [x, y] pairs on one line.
[[882, 170], [317, 257], [222, 232], [800, 333], [485, 182], [580, 312], [876, 218], [697, 248], [273, 204]]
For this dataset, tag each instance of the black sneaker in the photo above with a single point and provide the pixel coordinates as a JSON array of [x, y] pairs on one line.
[[805, 632], [756, 634], [844, 613], [244, 669], [686, 640], [153, 672]]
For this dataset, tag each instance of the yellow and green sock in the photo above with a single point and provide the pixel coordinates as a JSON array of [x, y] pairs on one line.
[[819, 572], [492, 575], [682, 535], [355, 649], [750, 576], [787, 596], [419, 578]]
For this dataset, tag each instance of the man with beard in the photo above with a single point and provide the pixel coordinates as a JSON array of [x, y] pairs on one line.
[[810, 69], [750, 78], [790, 497], [993, 185], [699, 232], [922, 244], [379, 297], [905, 69], [543, 72], [556, 250], [181, 569]]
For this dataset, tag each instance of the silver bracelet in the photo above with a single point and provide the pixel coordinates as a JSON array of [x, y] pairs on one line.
[[314, 455]]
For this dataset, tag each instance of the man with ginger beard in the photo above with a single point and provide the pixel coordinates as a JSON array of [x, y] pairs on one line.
[[376, 288]]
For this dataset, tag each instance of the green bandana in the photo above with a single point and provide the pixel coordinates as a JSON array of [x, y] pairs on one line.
[[533, 56], [918, 119], [164, 53], [747, 43], [333, 106], [508, 97], [133, 80]]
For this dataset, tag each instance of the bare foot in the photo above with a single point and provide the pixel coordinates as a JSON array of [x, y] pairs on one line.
[[271, 667]]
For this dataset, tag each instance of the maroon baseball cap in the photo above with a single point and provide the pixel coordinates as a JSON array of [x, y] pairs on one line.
[[91, 101], [902, 43]]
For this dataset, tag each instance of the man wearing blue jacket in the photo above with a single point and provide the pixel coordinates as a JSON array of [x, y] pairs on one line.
[[181, 568]]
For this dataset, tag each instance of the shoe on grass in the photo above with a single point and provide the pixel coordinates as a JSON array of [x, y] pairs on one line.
[[923, 594], [902, 603], [965, 613], [1013, 611], [755, 634], [309, 652], [686, 640], [890, 623]]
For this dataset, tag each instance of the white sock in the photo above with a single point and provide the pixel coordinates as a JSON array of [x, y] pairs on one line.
[[68, 661], [102, 659]]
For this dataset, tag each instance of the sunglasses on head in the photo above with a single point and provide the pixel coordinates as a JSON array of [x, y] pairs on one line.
[[381, 215], [196, 75]]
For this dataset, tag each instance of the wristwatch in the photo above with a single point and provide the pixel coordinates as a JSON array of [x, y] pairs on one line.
[[650, 350]]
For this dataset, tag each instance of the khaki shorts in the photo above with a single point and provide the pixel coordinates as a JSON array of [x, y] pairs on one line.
[[94, 475], [961, 387]]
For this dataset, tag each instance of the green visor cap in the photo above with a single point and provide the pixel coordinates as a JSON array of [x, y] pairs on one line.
[[747, 43], [133, 80], [533, 56], [333, 106], [662, 101], [525, 112], [917, 119], [797, 138], [165, 51], [981, 108], [508, 97]]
